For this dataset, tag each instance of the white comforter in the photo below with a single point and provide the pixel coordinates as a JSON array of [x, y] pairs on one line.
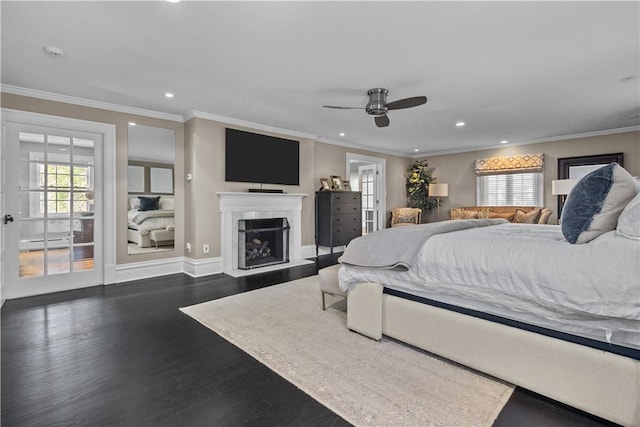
[[145, 221], [528, 273]]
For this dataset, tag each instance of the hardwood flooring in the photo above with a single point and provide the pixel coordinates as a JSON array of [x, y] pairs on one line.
[[32, 262], [124, 355]]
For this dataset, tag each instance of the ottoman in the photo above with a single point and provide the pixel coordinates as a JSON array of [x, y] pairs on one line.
[[161, 235], [329, 283]]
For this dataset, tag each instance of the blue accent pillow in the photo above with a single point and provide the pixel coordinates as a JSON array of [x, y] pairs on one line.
[[595, 203], [149, 203]]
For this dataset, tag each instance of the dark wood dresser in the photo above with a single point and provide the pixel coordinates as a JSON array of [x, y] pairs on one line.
[[338, 218]]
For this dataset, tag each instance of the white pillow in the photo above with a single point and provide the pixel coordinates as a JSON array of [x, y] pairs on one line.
[[629, 221], [134, 203], [167, 203]]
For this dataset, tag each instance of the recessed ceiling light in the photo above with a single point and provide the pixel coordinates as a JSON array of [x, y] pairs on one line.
[[132, 123], [173, 1], [416, 150], [504, 141], [460, 124], [341, 133], [53, 51], [168, 94]]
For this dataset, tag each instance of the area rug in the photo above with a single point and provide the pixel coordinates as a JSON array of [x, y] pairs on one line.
[[364, 381], [134, 249]]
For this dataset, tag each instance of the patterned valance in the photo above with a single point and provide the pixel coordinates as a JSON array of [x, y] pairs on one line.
[[512, 164]]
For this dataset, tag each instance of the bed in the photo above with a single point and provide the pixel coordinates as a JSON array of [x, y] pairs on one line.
[[140, 223], [515, 301]]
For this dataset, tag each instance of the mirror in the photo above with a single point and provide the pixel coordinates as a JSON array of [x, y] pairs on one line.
[[150, 187]]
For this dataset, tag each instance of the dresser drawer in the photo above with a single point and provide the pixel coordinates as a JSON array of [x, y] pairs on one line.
[[345, 208], [346, 220], [343, 234], [348, 198]]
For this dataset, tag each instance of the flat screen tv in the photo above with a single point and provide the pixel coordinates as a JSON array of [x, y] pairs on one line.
[[250, 157]]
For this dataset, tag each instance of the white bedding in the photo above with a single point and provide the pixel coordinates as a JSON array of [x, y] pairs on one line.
[[146, 221], [528, 273]]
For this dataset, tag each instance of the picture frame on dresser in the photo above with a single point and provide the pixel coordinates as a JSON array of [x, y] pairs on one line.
[[336, 182], [325, 184]]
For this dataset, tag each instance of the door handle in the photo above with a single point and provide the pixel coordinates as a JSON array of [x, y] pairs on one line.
[[8, 218]]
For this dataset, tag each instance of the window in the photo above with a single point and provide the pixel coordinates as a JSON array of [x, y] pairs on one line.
[[58, 179], [513, 189]]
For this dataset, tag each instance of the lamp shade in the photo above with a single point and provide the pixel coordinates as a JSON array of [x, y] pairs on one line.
[[438, 190], [562, 187]]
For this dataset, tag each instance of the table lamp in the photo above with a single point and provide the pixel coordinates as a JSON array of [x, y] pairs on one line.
[[437, 191]]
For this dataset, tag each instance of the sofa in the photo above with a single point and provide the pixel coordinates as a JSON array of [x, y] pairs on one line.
[[516, 214]]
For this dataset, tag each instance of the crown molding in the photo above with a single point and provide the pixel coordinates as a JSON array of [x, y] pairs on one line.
[[246, 124], [532, 141], [361, 147], [50, 96]]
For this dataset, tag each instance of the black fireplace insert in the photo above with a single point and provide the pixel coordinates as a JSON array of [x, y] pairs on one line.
[[262, 242]]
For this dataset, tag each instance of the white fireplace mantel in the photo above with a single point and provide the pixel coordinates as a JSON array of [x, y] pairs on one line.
[[235, 206]]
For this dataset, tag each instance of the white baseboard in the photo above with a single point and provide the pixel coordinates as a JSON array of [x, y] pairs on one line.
[[308, 251], [325, 250], [110, 274], [202, 267], [146, 269], [189, 266]]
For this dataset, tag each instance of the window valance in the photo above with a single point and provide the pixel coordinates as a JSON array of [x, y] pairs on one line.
[[511, 164]]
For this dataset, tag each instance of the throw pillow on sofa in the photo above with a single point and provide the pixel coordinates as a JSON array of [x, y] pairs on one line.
[[508, 216], [524, 217]]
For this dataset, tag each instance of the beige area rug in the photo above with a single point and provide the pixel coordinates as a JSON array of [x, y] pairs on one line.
[[364, 381]]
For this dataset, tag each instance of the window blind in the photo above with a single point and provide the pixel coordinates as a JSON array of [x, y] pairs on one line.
[[514, 189]]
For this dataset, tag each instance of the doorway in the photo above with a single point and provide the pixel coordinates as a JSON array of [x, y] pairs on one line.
[[53, 212], [368, 175]]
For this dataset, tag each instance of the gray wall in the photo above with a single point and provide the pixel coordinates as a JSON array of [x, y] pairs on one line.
[[458, 170]]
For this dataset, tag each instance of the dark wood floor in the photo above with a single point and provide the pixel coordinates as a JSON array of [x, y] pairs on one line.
[[124, 355]]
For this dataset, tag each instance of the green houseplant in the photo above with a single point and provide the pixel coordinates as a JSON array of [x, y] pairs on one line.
[[418, 177]]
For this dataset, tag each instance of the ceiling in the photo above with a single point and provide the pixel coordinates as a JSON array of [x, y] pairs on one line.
[[518, 71]]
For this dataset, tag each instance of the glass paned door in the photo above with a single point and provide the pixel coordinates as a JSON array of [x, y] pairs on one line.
[[368, 184], [53, 194]]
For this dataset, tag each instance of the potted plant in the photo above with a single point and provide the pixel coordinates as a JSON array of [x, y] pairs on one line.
[[418, 177]]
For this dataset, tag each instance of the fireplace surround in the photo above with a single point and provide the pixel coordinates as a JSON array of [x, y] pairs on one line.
[[235, 206]]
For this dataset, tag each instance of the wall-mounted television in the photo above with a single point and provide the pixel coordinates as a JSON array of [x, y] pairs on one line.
[[262, 159]]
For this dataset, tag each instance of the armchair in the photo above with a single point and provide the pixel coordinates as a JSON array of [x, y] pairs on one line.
[[405, 216]]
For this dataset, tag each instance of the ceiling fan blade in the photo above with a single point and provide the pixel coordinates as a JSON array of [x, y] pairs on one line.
[[343, 108], [381, 121], [407, 103]]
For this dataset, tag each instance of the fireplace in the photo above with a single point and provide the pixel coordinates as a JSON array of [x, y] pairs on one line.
[[262, 242], [237, 206]]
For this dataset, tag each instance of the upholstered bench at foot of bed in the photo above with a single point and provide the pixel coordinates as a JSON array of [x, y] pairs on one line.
[[329, 283], [161, 235]]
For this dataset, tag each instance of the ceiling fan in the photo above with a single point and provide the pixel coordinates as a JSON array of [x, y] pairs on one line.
[[378, 105]]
